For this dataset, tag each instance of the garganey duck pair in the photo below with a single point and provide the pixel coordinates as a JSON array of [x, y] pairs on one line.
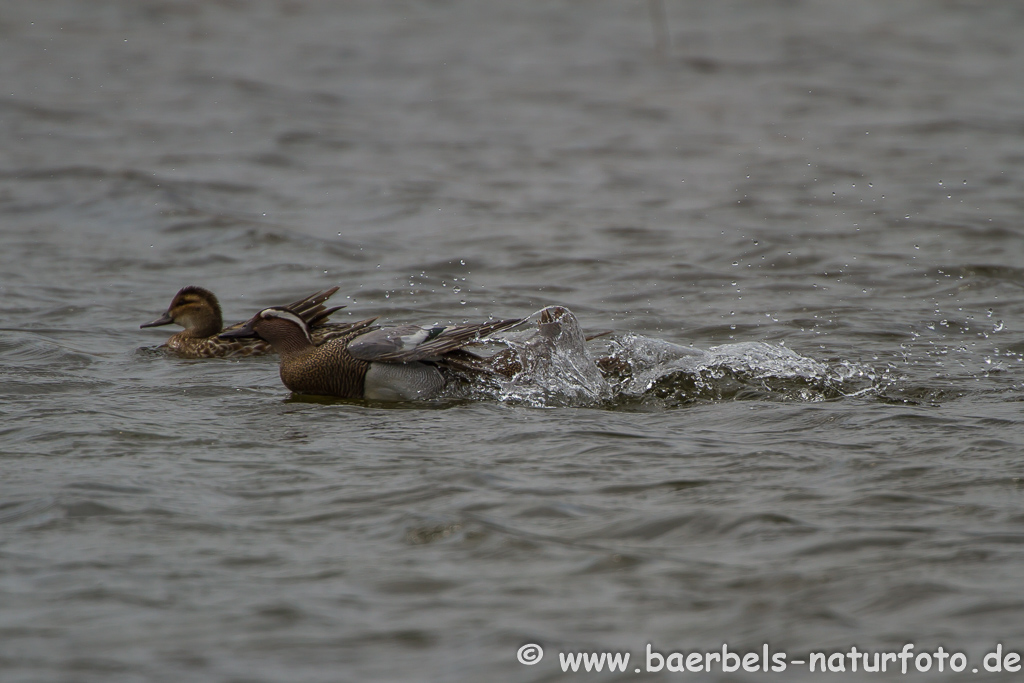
[[198, 311], [355, 360]]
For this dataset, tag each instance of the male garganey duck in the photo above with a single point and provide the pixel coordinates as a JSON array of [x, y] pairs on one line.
[[399, 363], [198, 311]]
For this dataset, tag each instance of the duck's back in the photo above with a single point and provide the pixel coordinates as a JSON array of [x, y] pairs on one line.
[[185, 345]]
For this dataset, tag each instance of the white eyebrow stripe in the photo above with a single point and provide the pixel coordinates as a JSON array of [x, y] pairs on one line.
[[287, 315]]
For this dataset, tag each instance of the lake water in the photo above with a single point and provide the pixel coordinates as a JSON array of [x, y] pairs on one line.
[[821, 201]]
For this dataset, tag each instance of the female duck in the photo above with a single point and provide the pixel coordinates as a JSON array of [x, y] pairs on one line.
[[400, 363], [198, 311]]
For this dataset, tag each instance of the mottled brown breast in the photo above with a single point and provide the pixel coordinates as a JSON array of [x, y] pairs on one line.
[[327, 370]]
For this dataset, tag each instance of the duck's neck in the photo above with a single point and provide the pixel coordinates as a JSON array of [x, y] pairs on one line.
[[286, 338], [294, 345], [203, 326]]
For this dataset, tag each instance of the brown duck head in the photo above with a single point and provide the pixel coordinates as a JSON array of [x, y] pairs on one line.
[[286, 331], [194, 308]]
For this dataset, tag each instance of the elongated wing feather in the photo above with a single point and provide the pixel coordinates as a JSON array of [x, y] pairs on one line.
[[408, 343], [310, 308], [319, 315], [328, 331]]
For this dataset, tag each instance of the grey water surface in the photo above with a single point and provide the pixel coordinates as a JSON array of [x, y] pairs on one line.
[[820, 199]]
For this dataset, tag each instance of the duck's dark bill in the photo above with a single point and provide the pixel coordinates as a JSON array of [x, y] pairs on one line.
[[165, 319]]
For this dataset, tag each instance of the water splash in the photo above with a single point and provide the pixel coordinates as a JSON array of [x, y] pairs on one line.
[[551, 364], [642, 367]]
